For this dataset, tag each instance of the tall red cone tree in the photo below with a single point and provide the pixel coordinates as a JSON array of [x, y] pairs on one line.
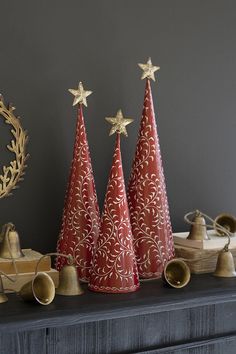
[[114, 267], [149, 210], [81, 220]]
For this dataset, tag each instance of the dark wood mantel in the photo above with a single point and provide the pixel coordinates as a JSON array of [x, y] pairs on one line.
[[200, 318]]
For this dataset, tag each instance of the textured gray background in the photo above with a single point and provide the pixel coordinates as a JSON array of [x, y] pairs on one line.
[[48, 46]]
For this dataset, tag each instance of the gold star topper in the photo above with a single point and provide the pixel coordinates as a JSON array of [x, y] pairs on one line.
[[119, 123], [149, 70], [80, 95]]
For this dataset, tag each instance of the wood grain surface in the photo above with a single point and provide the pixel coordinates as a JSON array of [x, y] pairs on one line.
[[199, 318]]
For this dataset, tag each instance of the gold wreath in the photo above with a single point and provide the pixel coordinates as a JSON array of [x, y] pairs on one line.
[[12, 174]]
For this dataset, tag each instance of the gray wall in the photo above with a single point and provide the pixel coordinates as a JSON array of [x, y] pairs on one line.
[[48, 46]]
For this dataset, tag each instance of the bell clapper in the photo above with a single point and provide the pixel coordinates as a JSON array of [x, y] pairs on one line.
[[176, 273], [228, 222]]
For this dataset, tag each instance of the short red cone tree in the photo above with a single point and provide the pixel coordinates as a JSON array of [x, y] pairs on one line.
[[115, 269], [149, 210], [81, 220]]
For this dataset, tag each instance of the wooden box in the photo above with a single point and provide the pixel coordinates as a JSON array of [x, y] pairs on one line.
[[26, 264], [200, 260], [215, 242]]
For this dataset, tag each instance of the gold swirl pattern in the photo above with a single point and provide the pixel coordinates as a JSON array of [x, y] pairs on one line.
[[114, 267], [149, 211], [81, 220]]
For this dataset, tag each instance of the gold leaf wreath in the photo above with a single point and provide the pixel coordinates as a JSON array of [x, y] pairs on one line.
[[13, 173]]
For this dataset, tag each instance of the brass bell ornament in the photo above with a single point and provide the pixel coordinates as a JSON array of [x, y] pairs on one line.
[[176, 273], [198, 230], [225, 264], [68, 281], [223, 224], [10, 242], [69, 284], [40, 289], [227, 221]]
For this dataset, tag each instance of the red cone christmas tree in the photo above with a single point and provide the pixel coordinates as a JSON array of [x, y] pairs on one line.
[[114, 267], [81, 222], [149, 211]]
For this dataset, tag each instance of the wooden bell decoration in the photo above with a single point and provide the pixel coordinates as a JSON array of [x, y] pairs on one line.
[[10, 242], [41, 289], [198, 230], [227, 221], [176, 273], [225, 264], [69, 282], [3, 297]]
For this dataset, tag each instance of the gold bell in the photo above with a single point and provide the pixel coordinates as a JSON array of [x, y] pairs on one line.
[[176, 273], [225, 264], [198, 230], [40, 289], [3, 297], [68, 281], [227, 221], [10, 242]]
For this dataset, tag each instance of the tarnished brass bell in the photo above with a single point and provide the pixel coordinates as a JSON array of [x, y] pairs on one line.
[[10, 242], [176, 273], [227, 221], [198, 230], [68, 281], [40, 289], [225, 264], [3, 297]]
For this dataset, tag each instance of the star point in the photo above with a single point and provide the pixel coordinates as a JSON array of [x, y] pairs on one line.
[[148, 70], [119, 123], [80, 95]]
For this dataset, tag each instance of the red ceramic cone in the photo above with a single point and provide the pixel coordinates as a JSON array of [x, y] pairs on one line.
[[149, 211], [115, 268], [80, 223]]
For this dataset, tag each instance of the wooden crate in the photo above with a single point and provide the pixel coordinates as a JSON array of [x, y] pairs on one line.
[[200, 261], [26, 264], [215, 241]]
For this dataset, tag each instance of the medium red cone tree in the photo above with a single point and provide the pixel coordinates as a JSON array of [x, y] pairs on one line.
[[149, 210], [114, 267], [81, 220]]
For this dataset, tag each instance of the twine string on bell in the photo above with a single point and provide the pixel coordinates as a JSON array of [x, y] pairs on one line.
[[69, 257], [12, 279], [14, 264], [214, 225], [177, 273]]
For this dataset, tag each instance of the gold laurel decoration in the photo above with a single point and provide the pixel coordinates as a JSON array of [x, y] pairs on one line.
[[13, 174]]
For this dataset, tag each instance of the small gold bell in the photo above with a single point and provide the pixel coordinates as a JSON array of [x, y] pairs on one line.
[[198, 230], [10, 242], [68, 281], [176, 273], [227, 221], [40, 289], [3, 297], [225, 264]]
